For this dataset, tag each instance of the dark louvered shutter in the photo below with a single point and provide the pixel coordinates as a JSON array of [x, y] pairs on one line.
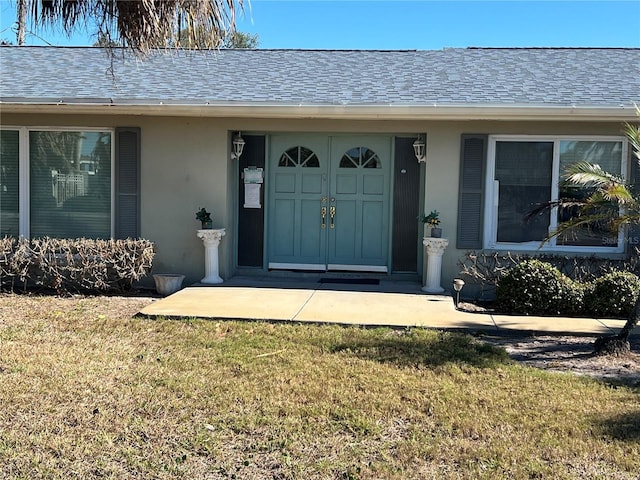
[[127, 182], [406, 207], [634, 180], [471, 191]]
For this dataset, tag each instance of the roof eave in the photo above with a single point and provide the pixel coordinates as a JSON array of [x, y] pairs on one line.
[[348, 112]]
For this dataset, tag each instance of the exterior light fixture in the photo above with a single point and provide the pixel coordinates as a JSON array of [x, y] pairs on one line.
[[238, 145], [458, 283], [419, 149]]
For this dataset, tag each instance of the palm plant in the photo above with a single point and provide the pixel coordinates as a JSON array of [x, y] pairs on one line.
[[610, 204], [142, 24]]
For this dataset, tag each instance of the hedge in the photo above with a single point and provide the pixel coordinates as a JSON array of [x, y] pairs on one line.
[[74, 265], [533, 287]]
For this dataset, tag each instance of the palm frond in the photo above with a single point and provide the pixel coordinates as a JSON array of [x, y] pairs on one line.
[[546, 207], [614, 197], [588, 221], [627, 219], [587, 174], [617, 193], [593, 202]]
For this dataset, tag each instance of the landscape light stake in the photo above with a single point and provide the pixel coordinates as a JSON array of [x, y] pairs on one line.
[[458, 283]]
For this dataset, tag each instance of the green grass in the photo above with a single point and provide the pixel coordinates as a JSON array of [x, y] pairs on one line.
[[87, 391]]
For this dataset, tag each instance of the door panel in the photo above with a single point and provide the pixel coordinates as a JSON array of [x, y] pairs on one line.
[[373, 185], [346, 184], [311, 238], [298, 172], [312, 183], [359, 183], [344, 234], [285, 183], [373, 242], [282, 215]]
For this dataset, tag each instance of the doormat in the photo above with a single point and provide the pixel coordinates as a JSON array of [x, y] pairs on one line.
[[351, 281]]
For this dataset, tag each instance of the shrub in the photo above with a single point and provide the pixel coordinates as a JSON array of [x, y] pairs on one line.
[[74, 265], [612, 295], [533, 287]]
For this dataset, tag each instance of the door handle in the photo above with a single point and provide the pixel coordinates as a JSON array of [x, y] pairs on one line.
[[323, 212], [332, 214]]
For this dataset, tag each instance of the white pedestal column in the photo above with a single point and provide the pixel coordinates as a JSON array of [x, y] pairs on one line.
[[435, 249], [211, 239]]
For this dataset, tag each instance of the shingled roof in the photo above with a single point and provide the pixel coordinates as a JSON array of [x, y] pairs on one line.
[[469, 77]]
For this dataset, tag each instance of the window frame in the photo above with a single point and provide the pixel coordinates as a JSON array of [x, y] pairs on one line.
[[24, 200], [492, 194]]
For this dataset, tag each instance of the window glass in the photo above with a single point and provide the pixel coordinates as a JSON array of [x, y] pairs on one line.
[[370, 159], [70, 184], [351, 159], [609, 156], [523, 171], [9, 182]]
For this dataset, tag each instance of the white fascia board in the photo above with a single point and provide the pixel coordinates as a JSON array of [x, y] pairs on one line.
[[352, 112]]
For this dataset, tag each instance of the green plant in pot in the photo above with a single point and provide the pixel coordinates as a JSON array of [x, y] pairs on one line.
[[433, 220], [205, 219]]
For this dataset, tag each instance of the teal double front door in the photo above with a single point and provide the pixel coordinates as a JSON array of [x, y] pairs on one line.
[[329, 202]]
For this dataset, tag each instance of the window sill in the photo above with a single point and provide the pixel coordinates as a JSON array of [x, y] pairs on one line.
[[557, 250]]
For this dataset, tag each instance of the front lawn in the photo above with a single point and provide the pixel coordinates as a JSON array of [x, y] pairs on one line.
[[87, 391]]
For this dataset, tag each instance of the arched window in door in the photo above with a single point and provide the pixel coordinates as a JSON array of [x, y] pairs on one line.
[[299, 157], [360, 157]]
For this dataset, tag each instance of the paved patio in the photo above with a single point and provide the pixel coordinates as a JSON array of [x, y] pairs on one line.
[[396, 304]]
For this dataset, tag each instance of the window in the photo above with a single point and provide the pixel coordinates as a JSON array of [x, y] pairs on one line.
[[522, 180], [526, 172], [68, 193], [299, 157], [609, 156], [360, 157]]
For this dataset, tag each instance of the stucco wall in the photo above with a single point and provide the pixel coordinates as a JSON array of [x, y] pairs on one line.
[[186, 165]]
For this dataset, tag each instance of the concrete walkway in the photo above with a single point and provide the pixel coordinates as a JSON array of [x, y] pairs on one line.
[[397, 304]]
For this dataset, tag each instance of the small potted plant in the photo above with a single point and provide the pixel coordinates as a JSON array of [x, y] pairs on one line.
[[433, 221], [205, 219]]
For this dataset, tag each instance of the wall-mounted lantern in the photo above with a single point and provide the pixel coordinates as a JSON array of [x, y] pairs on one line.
[[238, 145], [419, 148]]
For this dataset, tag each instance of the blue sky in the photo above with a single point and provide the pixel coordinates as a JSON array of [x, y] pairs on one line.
[[414, 24]]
